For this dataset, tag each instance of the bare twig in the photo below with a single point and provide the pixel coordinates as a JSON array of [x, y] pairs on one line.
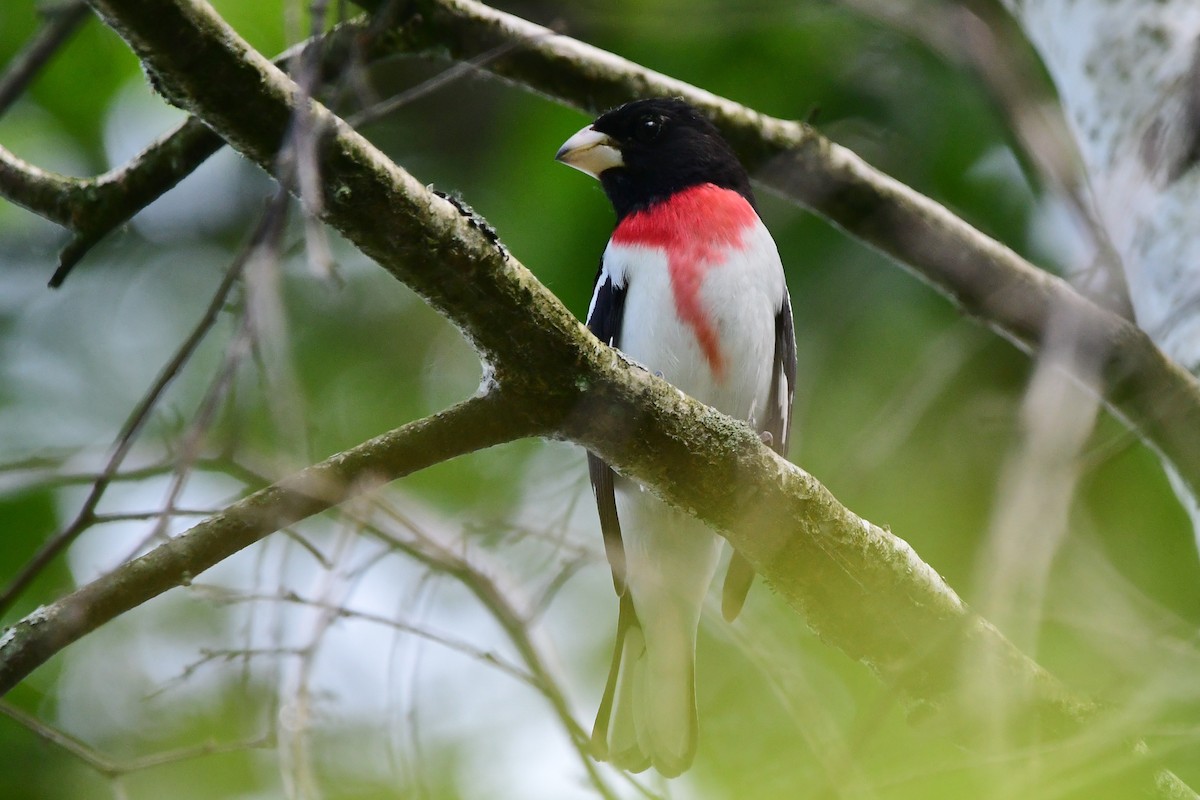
[[60, 24], [332, 610], [383, 108], [141, 413], [43, 464], [110, 768], [263, 249], [299, 157], [333, 588], [514, 621], [141, 516], [479, 422]]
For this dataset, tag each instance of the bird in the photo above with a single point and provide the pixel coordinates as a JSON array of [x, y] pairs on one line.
[[690, 286]]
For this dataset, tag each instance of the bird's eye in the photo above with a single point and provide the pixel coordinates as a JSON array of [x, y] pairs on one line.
[[647, 128]]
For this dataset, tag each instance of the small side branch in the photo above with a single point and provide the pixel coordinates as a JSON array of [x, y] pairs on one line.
[[94, 207], [44, 193]]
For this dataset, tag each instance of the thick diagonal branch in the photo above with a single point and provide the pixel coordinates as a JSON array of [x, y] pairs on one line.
[[1144, 388]]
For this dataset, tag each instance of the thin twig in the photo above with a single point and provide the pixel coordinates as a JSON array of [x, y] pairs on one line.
[[295, 746], [109, 768], [141, 516], [263, 246], [210, 656], [449, 641], [140, 415], [479, 422], [61, 23], [447, 76], [513, 621]]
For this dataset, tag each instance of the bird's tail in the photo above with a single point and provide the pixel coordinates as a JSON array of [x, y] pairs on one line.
[[648, 713]]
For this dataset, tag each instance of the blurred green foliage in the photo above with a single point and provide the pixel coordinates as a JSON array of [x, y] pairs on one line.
[[904, 409]]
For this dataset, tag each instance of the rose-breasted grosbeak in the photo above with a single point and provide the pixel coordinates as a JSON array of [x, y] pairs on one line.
[[690, 286]]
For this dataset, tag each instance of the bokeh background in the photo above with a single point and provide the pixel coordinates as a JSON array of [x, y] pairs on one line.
[[332, 662]]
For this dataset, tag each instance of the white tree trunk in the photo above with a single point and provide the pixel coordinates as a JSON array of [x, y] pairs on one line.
[[1127, 75]]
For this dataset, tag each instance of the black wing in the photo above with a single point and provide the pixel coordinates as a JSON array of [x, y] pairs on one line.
[[778, 423], [604, 321], [779, 412]]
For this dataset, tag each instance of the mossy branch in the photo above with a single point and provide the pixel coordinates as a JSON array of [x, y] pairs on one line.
[[1155, 397], [1146, 390]]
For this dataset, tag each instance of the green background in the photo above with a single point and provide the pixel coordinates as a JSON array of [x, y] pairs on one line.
[[905, 409]]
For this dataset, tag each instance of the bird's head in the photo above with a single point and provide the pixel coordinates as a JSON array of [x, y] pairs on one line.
[[645, 151]]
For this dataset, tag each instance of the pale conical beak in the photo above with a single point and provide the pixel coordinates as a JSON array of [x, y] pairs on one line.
[[590, 151]]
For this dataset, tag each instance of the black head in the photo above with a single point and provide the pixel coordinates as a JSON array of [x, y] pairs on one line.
[[645, 151]]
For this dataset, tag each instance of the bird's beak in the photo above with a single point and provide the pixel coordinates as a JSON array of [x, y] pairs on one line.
[[590, 151]]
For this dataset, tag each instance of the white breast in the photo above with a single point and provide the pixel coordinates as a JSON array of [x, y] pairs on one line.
[[740, 294]]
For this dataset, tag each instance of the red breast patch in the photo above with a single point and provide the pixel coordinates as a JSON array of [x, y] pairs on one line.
[[693, 228]]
